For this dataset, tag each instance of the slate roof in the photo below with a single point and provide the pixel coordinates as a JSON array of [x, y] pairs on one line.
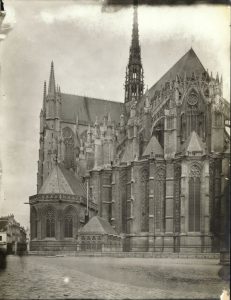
[[97, 225], [153, 146], [63, 181], [188, 63], [87, 109]]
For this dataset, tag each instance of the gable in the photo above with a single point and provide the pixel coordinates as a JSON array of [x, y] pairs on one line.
[[188, 64], [153, 147], [194, 143]]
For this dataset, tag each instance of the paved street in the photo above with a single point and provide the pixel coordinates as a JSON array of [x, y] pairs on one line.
[[34, 277]]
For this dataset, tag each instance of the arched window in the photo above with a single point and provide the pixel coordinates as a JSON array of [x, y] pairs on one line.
[[34, 222], [159, 194], [144, 202], [194, 199], [68, 137], [50, 222], [69, 222], [182, 127], [194, 115]]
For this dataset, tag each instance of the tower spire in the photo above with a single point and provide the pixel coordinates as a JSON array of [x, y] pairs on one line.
[[134, 85], [52, 88]]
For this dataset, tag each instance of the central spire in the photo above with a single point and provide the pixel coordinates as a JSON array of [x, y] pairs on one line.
[[134, 72]]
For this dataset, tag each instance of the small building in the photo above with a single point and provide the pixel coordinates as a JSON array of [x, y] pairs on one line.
[[98, 235], [12, 235]]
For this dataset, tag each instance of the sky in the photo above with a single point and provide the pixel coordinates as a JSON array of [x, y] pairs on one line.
[[90, 51]]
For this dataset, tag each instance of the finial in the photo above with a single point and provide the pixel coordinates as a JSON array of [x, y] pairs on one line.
[[217, 78]]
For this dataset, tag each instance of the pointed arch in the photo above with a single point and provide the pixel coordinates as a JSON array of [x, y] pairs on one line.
[[159, 196], [193, 114], [69, 217], [50, 221]]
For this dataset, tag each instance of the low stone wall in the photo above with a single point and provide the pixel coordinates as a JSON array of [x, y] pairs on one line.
[[129, 254], [53, 246]]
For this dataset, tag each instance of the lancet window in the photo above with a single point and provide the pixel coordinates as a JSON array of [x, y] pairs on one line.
[[159, 194], [144, 202], [194, 198], [50, 222], [68, 222]]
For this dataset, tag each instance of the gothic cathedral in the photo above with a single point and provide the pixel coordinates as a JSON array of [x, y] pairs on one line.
[[154, 167]]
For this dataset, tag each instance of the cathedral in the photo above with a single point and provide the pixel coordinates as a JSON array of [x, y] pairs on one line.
[[153, 169]]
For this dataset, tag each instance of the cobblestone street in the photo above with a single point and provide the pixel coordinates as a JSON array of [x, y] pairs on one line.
[[34, 277]]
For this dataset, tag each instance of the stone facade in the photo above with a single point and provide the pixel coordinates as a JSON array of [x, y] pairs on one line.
[[12, 235], [154, 167]]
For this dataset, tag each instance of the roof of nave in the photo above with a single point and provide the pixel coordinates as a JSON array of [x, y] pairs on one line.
[[63, 181], [188, 64], [97, 225], [87, 108]]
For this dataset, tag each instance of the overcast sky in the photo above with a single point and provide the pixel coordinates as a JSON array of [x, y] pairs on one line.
[[90, 52]]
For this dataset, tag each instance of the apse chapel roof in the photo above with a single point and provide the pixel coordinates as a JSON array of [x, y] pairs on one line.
[[97, 225], [86, 109], [63, 181]]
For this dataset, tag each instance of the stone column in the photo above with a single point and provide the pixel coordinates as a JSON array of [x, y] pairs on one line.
[[205, 226], [151, 205], [225, 211], [113, 199]]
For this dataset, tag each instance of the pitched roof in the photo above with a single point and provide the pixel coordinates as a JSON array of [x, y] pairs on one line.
[[87, 109], [97, 225], [188, 63], [63, 181], [194, 143], [153, 147]]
